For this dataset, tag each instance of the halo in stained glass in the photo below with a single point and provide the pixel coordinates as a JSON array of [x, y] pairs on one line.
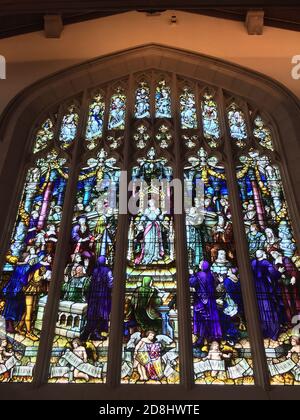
[[94, 129], [69, 126], [237, 125], [142, 101], [117, 110], [163, 100], [263, 133], [44, 136], [188, 109]]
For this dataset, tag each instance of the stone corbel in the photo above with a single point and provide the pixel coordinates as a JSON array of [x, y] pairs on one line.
[[255, 22], [53, 26]]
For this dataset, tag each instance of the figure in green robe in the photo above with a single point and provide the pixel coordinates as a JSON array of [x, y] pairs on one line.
[[145, 302], [75, 289]]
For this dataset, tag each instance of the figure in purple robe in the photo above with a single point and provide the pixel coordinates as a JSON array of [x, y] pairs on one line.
[[99, 302], [266, 278], [206, 320]]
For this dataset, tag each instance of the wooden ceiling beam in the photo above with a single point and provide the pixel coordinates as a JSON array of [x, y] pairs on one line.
[[87, 6]]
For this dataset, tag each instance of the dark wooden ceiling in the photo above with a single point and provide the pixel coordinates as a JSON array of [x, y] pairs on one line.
[[23, 16]]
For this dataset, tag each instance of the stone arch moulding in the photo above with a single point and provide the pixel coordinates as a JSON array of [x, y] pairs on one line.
[[29, 106]]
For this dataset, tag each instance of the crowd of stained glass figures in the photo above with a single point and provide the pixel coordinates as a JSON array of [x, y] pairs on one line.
[[221, 345], [275, 263]]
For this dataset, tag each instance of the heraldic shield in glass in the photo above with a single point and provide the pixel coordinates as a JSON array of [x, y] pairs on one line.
[[275, 264], [81, 340], [221, 348], [150, 330]]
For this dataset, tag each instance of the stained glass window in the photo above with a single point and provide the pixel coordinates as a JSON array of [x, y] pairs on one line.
[[237, 125], [82, 329], [210, 120], [44, 136], [263, 133], [163, 100], [221, 348], [26, 275], [94, 129], [188, 109], [117, 110], [150, 342], [274, 262], [142, 104], [158, 301], [69, 127]]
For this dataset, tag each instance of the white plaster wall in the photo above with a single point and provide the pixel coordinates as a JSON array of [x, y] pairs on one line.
[[32, 56]]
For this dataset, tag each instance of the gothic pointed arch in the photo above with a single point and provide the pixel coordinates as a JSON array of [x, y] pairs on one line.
[[91, 294]]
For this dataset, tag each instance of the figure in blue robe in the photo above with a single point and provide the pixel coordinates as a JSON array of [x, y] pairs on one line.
[[232, 315], [206, 321], [14, 295], [13, 292], [232, 287]]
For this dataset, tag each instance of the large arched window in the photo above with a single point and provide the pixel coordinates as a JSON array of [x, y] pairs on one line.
[[140, 291]]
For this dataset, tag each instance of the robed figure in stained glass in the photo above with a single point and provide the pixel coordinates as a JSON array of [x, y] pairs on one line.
[[83, 239], [195, 236], [206, 322], [99, 302], [14, 295], [152, 244], [266, 278], [117, 111], [145, 303], [289, 282]]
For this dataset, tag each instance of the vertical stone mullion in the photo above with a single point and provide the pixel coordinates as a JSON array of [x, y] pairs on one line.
[[247, 284], [41, 372], [183, 293], [119, 272]]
